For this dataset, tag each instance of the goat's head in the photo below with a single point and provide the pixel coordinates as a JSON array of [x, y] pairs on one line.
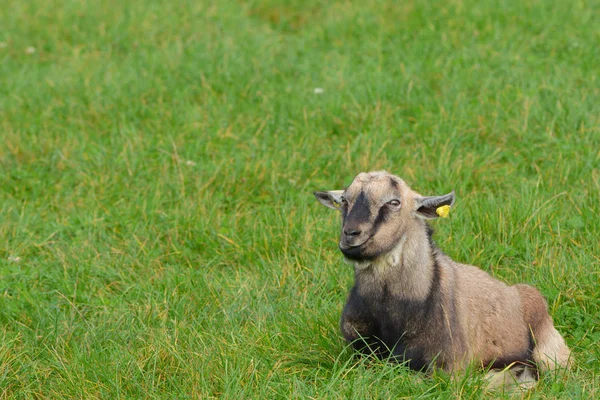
[[377, 210]]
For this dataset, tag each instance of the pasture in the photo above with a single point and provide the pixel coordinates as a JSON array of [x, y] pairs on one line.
[[158, 233]]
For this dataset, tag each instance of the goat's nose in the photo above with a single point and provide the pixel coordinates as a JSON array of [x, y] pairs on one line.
[[352, 232]]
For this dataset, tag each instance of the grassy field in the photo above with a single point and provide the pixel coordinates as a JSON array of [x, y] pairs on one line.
[[158, 233]]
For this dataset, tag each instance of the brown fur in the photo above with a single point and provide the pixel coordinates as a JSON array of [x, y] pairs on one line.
[[413, 303]]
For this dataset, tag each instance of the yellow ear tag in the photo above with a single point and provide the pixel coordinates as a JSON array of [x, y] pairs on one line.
[[443, 211], [336, 203]]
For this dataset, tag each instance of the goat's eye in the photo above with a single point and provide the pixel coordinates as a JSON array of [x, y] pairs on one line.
[[394, 203]]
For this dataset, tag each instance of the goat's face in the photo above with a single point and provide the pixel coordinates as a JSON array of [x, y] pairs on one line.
[[377, 210]]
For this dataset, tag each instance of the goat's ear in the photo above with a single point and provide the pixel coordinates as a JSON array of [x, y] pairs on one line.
[[331, 198], [427, 207]]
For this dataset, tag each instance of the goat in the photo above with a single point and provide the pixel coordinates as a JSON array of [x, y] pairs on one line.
[[412, 303]]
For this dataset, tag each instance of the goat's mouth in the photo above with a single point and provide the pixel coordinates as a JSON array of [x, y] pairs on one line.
[[354, 251], [352, 242]]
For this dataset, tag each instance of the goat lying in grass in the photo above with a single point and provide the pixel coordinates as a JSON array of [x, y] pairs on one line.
[[412, 303]]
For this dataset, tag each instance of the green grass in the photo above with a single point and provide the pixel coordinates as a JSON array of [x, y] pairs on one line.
[[158, 161]]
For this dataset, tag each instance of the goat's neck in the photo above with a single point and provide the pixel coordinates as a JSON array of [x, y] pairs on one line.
[[405, 272]]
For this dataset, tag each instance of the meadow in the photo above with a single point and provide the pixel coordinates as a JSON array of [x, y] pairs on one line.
[[158, 233]]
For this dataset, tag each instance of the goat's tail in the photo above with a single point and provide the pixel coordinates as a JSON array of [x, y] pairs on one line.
[[550, 352]]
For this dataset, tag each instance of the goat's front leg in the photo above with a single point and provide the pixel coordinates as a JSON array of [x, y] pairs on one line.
[[360, 328]]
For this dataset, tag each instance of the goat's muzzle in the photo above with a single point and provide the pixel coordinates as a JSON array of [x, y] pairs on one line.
[[352, 243]]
